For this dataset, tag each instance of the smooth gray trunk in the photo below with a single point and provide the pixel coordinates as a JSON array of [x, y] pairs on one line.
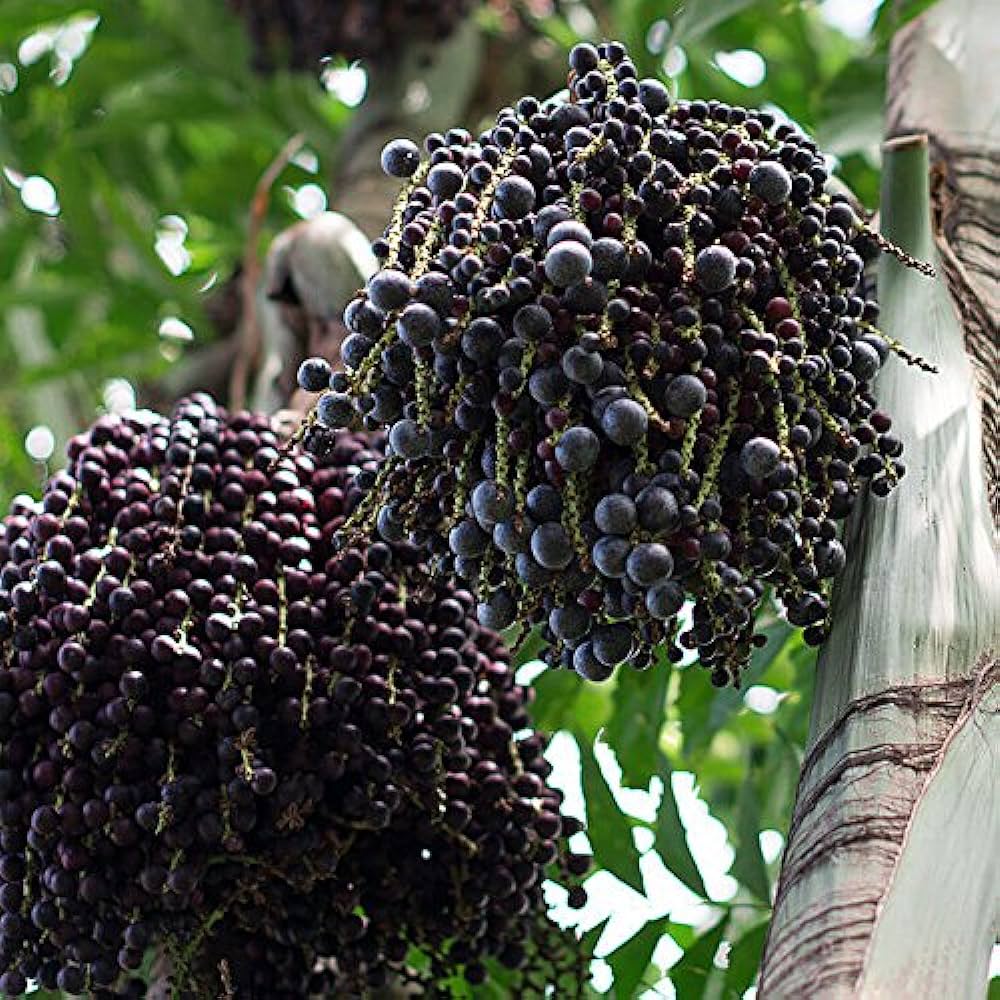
[[890, 885]]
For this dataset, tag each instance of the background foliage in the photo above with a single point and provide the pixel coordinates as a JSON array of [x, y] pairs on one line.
[[151, 131], [132, 136]]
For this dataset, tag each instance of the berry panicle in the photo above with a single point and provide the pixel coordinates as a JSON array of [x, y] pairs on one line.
[[227, 740], [625, 361]]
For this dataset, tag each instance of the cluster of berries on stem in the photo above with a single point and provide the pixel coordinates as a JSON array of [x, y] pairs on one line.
[[279, 765], [622, 349]]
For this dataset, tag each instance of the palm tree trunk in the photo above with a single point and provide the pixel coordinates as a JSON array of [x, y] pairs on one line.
[[889, 884]]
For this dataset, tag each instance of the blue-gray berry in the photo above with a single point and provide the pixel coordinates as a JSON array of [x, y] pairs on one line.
[[610, 258], [582, 367], [567, 262], [577, 232], [649, 564], [830, 557], [314, 374], [467, 539], [551, 546], [588, 666], [615, 514], [684, 396], [511, 538], [584, 57], [362, 316], [604, 397], [418, 325], [445, 180], [482, 340], [514, 198], [548, 217], [544, 503], [665, 601], [335, 409], [547, 385], [532, 322], [653, 96], [529, 572], [657, 509], [491, 502], [715, 268], [625, 422], [388, 404], [569, 623], [468, 567], [389, 289], [770, 182], [612, 644], [389, 525], [865, 361], [407, 439], [577, 449], [397, 363], [759, 457], [400, 158], [355, 349], [498, 611], [610, 556]]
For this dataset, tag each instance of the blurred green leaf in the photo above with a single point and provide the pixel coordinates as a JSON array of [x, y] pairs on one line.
[[20, 17], [563, 701], [683, 934], [637, 716], [851, 109], [499, 984], [694, 706], [744, 960], [691, 974], [588, 941], [559, 31], [704, 710], [695, 19], [671, 837], [608, 828], [528, 649], [748, 866], [630, 961]]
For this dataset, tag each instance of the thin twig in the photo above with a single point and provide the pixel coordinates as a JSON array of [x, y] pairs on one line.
[[250, 339]]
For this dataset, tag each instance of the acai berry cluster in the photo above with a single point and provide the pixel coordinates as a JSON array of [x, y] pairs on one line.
[[622, 350]]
